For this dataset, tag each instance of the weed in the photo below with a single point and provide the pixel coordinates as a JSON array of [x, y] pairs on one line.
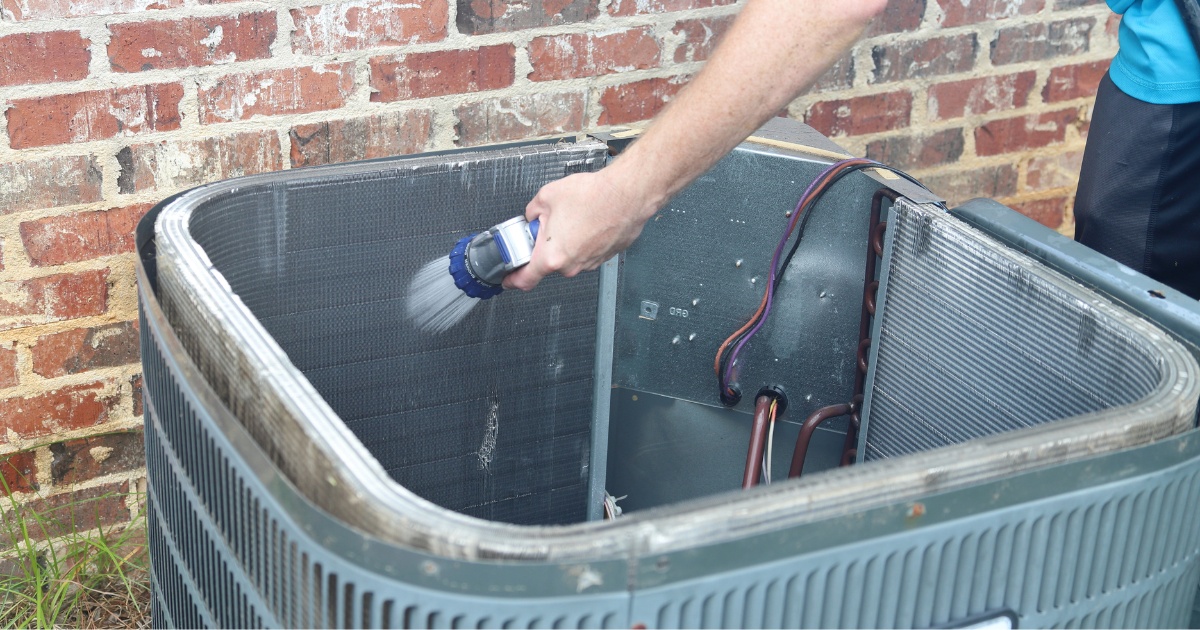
[[61, 566]]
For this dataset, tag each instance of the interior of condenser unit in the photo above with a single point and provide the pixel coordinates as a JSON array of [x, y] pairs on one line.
[[893, 333]]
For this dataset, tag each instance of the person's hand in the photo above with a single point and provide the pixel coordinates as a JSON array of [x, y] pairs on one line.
[[586, 219]]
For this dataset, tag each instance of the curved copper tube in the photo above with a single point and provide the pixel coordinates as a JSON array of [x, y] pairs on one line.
[[806, 430], [758, 433]]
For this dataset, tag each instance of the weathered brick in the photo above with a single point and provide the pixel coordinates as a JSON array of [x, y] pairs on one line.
[[504, 119], [86, 116], [28, 58], [1076, 81], [275, 92], [18, 472], [203, 41], [477, 17], [1060, 5], [75, 512], [700, 37], [914, 152], [861, 114], [425, 75], [924, 57], [962, 12], [81, 236], [984, 95], [1112, 26], [899, 16], [642, 7], [1056, 171], [332, 141], [346, 26], [1048, 212], [49, 182], [21, 10], [135, 383], [56, 411], [839, 76], [83, 349], [1013, 135], [8, 368], [1038, 41], [987, 181], [640, 100], [184, 163], [589, 54], [74, 461], [53, 298]]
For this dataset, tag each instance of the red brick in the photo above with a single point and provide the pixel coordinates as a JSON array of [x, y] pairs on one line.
[[961, 12], [50, 182], [588, 54], [477, 17], [185, 163], [137, 46], [1057, 171], [22, 10], [18, 472], [700, 37], [56, 411], [1048, 212], [83, 349], [899, 16], [1012, 135], [1039, 41], [642, 7], [81, 236], [861, 114], [275, 92], [424, 75], [135, 383], [640, 100], [334, 141], [53, 298], [86, 116], [1112, 26], [347, 26], [75, 512], [95, 456], [43, 58], [980, 96], [914, 152], [8, 368], [516, 118], [1071, 82], [924, 57], [959, 186]]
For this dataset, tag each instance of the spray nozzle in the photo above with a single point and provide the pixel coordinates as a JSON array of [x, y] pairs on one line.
[[479, 262]]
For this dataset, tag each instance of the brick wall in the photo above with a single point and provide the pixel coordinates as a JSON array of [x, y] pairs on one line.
[[111, 105]]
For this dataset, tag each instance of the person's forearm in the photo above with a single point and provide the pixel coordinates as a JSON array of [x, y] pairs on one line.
[[774, 50]]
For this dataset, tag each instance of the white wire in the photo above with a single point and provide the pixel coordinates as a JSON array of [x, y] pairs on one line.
[[770, 447]]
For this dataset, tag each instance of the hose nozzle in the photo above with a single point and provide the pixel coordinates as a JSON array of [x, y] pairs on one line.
[[479, 262]]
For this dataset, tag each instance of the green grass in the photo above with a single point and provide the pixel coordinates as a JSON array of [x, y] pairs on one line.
[[58, 569]]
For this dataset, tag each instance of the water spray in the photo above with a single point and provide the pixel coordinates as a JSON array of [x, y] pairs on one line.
[[445, 290]]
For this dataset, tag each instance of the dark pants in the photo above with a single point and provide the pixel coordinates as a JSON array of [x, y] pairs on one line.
[[1139, 188]]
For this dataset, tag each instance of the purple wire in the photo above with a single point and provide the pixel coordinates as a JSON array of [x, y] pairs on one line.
[[775, 261]]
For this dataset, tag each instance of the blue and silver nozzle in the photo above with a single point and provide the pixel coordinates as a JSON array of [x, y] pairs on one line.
[[478, 263]]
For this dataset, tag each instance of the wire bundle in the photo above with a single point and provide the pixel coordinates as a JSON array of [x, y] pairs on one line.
[[725, 364]]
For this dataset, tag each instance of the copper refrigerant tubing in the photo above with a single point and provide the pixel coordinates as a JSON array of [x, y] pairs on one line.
[[875, 233], [758, 435], [808, 428]]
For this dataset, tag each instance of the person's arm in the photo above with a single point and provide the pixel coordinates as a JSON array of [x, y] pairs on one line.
[[773, 51]]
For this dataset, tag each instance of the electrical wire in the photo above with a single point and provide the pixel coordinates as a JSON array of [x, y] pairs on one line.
[[770, 439], [725, 363]]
